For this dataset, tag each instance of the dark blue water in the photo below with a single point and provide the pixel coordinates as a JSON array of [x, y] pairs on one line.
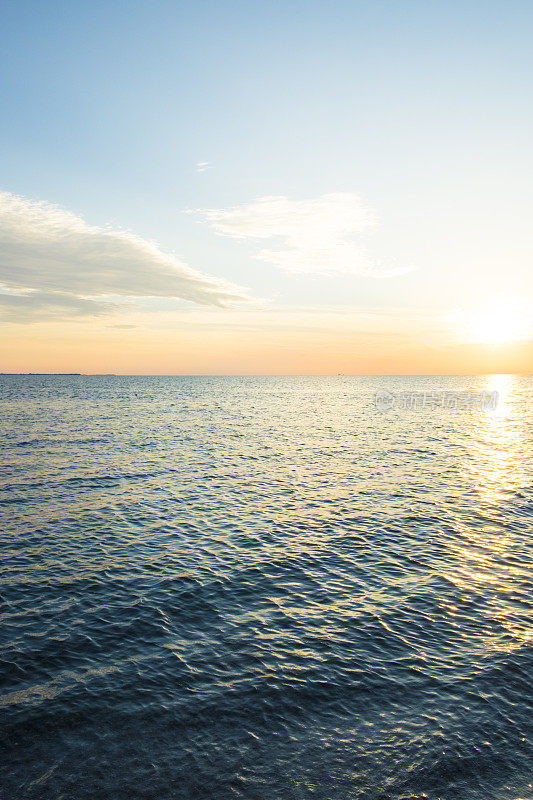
[[264, 588]]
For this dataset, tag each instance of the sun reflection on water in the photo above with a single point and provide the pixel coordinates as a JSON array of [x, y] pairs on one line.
[[496, 466], [498, 450]]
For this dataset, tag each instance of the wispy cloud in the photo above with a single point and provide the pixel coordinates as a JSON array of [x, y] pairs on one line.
[[59, 264], [35, 305], [202, 166], [324, 235]]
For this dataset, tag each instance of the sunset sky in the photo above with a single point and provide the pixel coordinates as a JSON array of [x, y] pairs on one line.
[[244, 187]]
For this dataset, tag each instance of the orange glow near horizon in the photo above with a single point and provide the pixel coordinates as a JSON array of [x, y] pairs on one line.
[[283, 350]]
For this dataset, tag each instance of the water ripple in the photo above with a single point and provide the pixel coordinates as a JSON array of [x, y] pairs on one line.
[[264, 588]]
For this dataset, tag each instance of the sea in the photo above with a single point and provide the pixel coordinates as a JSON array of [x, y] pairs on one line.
[[266, 588]]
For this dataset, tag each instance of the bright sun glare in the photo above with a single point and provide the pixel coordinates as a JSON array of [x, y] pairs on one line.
[[499, 323]]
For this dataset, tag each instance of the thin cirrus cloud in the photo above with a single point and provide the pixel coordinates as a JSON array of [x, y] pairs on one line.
[[53, 263], [32, 305], [326, 235]]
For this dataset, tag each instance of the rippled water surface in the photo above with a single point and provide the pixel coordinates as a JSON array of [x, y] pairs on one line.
[[264, 588]]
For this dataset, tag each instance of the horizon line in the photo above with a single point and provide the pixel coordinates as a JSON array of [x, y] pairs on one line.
[[261, 374]]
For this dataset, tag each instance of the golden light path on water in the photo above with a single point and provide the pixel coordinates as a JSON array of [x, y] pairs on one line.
[[497, 460]]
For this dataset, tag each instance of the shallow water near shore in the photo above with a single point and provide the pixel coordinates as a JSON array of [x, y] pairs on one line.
[[265, 587]]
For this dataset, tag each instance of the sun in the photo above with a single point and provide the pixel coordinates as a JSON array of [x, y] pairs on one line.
[[502, 322], [497, 326]]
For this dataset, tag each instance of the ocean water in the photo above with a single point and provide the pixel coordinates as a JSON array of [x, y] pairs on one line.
[[264, 588]]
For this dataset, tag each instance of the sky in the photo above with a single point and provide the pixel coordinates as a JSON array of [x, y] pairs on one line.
[[257, 188]]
